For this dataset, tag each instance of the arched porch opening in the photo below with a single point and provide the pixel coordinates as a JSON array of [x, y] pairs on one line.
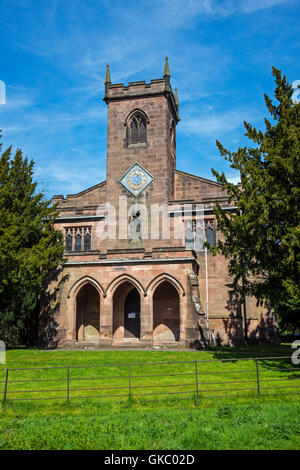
[[166, 313], [126, 312], [87, 313]]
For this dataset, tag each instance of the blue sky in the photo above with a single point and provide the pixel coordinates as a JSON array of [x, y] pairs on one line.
[[54, 53]]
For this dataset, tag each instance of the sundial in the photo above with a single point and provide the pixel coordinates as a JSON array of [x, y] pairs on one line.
[[136, 179]]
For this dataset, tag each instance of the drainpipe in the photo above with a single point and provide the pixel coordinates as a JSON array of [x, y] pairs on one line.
[[244, 313], [206, 284]]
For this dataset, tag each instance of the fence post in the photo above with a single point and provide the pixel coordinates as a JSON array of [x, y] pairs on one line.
[[129, 381], [5, 386], [257, 377], [68, 383], [196, 366]]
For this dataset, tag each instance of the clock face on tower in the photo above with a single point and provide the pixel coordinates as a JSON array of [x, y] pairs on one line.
[[136, 179]]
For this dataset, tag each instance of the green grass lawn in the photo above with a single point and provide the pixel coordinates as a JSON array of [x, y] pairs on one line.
[[240, 420]]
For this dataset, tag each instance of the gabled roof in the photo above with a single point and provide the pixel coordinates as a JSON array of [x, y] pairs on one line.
[[179, 172], [199, 178]]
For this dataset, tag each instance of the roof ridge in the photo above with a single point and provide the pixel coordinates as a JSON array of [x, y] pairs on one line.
[[87, 190], [198, 177]]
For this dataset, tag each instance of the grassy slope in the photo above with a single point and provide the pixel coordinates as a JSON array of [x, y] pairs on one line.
[[240, 422]]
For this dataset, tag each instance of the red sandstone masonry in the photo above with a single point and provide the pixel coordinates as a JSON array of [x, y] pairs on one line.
[[113, 266]]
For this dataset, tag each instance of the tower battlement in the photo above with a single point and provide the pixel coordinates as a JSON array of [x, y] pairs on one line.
[[119, 90], [141, 89]]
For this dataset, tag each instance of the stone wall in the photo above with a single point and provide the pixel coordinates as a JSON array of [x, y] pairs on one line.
[[146, 277]]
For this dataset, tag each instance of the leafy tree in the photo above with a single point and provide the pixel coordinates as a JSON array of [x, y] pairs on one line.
[[30, 248], [261, 241]]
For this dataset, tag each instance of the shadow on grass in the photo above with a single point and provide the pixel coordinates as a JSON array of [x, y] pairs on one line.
[[243, 352], [280, 361]]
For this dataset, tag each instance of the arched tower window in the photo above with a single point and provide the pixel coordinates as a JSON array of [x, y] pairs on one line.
[[173, 134], [136, 128]]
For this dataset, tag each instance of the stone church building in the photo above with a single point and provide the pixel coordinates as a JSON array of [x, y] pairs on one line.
[[136, 272]]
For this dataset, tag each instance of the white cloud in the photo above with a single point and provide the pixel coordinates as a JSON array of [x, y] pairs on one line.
[[184, 12], [217, 123], [234, 179], [49, 120], [16, 100], [69, 179], [250, 6]]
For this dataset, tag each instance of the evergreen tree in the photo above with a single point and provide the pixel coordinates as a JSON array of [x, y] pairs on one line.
[[30, 248], [261, 241]]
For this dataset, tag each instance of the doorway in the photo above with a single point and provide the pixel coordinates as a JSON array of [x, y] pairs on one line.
[[87, 314]]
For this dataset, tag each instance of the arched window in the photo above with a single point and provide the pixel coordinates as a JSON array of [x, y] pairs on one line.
[[87, 239], [69, 240], [78, 238], [173, 134], [196, 232], [143, 130], [136, 129], [210, 233]]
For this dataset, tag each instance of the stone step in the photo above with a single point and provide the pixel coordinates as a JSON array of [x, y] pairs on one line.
[[168, 345], [85, 345], [125, 343]]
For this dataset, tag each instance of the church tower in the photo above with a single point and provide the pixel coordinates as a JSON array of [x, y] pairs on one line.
[[141, 140]]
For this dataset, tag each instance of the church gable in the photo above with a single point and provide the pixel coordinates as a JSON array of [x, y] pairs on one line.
[[88, 199], [191, 187]]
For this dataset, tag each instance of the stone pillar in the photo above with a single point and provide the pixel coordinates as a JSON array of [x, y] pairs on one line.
[[195, 311], [106, 320], [183, 317], [146, 319]]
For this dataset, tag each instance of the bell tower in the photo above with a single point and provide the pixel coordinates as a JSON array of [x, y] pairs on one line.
[[141, 131]]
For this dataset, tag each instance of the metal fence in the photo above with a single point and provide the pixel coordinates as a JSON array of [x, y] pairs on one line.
[[151, 380]]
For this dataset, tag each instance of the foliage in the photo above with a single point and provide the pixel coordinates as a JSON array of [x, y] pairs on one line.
[[261, 241], [30, 247]]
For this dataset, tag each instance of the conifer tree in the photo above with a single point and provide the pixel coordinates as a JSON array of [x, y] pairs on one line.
[[261, 241], [30, 247]]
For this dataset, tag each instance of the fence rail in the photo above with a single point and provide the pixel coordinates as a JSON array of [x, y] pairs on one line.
[[151, 380]]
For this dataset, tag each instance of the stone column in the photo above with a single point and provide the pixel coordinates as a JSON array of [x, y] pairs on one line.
[[106, 321], [183, 317], [146, 319]]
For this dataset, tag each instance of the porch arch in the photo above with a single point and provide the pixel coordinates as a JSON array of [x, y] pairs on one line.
[[166, 313], [81, 282], [126, 301], [87, 313], [156, 281], [113, 285]]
